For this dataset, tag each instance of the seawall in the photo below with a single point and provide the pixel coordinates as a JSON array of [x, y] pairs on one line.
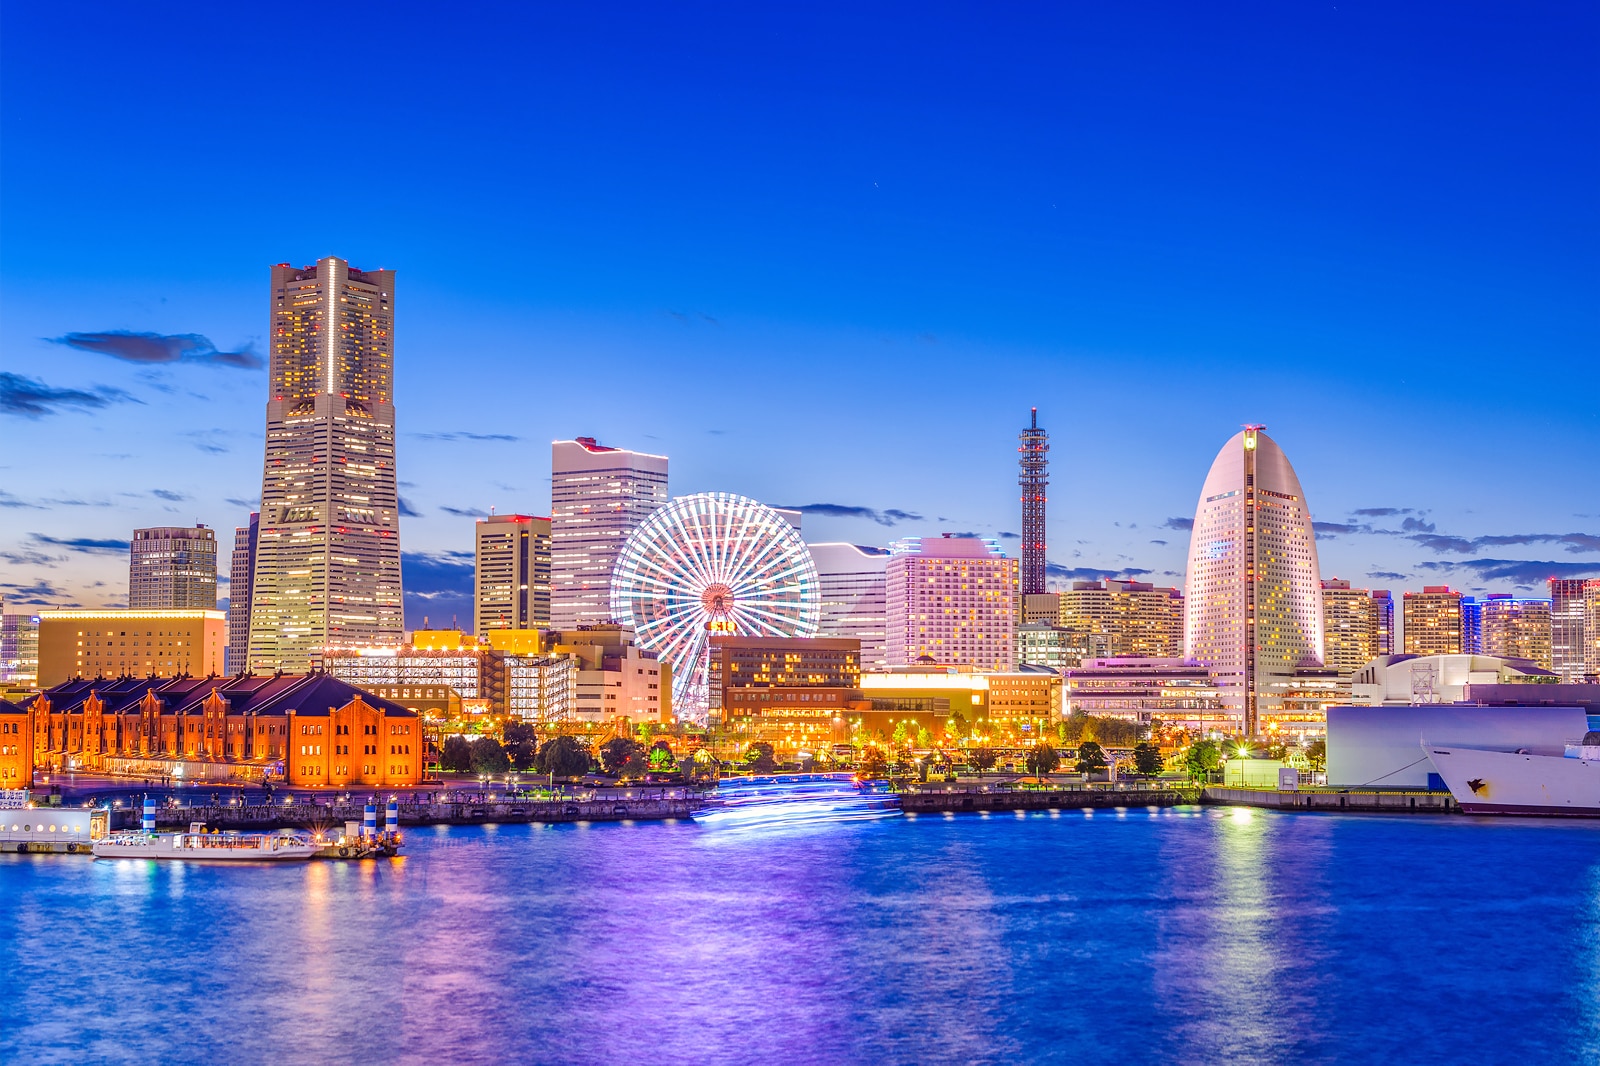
[[1326, 800], [320, 815], [958, 800]]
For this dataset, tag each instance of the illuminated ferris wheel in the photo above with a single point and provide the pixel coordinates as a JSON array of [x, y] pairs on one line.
[[707, 564]]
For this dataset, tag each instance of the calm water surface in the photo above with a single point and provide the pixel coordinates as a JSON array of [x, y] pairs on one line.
[[1174, 936]]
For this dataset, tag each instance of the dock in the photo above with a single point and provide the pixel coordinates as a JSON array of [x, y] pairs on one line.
[[303, 815], [1382, 801], [958, 800]]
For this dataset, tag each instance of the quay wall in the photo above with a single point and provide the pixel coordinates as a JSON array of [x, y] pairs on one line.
[[1396, 802], [319, 815], [959, 800]]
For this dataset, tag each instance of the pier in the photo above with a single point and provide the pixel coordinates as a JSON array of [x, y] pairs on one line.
[[957, 800], [1395, 801], [444, 812]]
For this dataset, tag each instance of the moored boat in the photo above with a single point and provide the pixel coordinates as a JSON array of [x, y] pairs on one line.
[[197, 845], [25, 827], [1518, 782]]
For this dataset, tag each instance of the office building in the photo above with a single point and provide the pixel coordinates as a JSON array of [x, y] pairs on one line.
[[1567, 628], [615, 677], [19, 651], [126, 643], [1041, 607], [172, 567], [1350, 621], [1033, 459], [1171, 691], [1591, 629], [1383, 603], [241, 574], [1517, 629], [853, 583], [598, 495], [792, 692], [327, 571], [951, 601], [1471, 626], [1431, 621], [512, 586], [1136, 618], [1254, 603], [1056, 647]]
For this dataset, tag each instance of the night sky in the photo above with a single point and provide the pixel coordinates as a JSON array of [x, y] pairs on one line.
[[822, 258]]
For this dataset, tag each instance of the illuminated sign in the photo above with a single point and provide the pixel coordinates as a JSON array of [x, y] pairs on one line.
[[721, 625]]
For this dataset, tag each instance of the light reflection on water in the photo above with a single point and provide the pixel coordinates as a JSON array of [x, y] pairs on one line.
[[1175, 936]]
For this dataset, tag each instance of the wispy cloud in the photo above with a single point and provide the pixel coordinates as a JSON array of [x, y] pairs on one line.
[[153, 348], [1526, 572], [1387, 575], [8, 500], [82, 544], [465, 512], [408, 511], [40, 593], [437, 585], [168, 494], [31, 398], [1338, 527], [889, 517], [1381, 512], [464, 435], [248, 505], [1183, 524], [1090, 573]]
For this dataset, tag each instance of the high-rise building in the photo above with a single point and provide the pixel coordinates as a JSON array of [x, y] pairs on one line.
[[241, 574], [1567, 628], [853, 582], [19, 651], [512, 587], [1431, 621], [1349, 626], [1136, 618], [1383, 605], [120, 642], [1591, 629], [952, 600], [598, 495], [327, 571], [1471, 626], [1517, 629], [1033, 451], [1254, 603], [173, 567]]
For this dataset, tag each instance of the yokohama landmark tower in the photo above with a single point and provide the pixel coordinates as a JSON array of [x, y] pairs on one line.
[[1034, 476], [327, 570]]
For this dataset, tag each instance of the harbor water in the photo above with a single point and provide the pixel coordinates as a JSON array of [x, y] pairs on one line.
[[1173, 935]]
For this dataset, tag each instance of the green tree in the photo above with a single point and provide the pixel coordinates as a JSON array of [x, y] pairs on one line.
[[488, 757], [872, 764], [924, 740], [623, 757], [456, 755], [1201, 759], [1317, 753], [1147, 758], [1042, 759], [759, 758], [1091, 757], [661, 761], [981, 759], [564, 757], [522, 747], [957, 725], [902, 735]]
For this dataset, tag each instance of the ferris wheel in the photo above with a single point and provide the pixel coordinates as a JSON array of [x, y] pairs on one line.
[[709, 564]]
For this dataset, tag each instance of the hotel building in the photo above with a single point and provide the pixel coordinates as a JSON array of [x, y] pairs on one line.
[[172, 567], [129, 643], [241, 573], [327, 571], [1137, 618], [1517, 629], [1383, 603], [598, 495], [951, 600], [1567, 628], [1591, 628], [1432, 621], [1349, 626], [1254, 604], [512, 576], [853, 581]]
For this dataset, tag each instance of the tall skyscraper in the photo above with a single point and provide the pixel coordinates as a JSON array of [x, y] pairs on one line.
[[1517, 629], [953, 600], [172, 567], [1591, 629], [1383, 603], [1349, 626], [512, 588], [1431, 621], [1254, 604], [598, 495], [1567, 628], [853, 581], [327, 569], [1471, 626], [1033, 452], [241, 574]]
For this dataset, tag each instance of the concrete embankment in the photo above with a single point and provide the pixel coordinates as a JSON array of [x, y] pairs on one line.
[[1353, 800], [320, 815], [959, 800]]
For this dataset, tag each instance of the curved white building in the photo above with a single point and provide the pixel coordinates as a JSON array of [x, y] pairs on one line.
[[1254, 607]]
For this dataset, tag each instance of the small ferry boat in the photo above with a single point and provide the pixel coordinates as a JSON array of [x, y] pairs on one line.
[[25, 827], [197, 845], [1518, 782]]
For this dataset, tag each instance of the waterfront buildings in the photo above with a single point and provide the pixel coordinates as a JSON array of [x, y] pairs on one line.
[[1254, 603], [172, 567], [512, 575], [853, 580], [1171, 690], [302, 729], [1567, 628], [19, 651], [1517, 629], [1136, 618], [16, 746], [123, 642], [327, 572], [1033, 459], [792, 692], [952, 600], [598, 495], [1351, 622], [241, 575], [1432, 621]]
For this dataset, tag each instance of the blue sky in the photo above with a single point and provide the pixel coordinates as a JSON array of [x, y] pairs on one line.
[[826, 256]]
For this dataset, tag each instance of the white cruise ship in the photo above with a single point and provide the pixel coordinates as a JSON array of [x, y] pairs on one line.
[[1515, 782]]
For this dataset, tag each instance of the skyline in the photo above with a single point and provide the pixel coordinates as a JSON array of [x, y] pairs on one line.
[[1387, 260]]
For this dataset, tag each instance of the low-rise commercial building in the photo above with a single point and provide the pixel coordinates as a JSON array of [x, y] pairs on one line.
[[118, 642], [795, 693], [1172, 690]]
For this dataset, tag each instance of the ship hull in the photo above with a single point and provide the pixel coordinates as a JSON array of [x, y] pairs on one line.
[[1503, 782], [191, 850]]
